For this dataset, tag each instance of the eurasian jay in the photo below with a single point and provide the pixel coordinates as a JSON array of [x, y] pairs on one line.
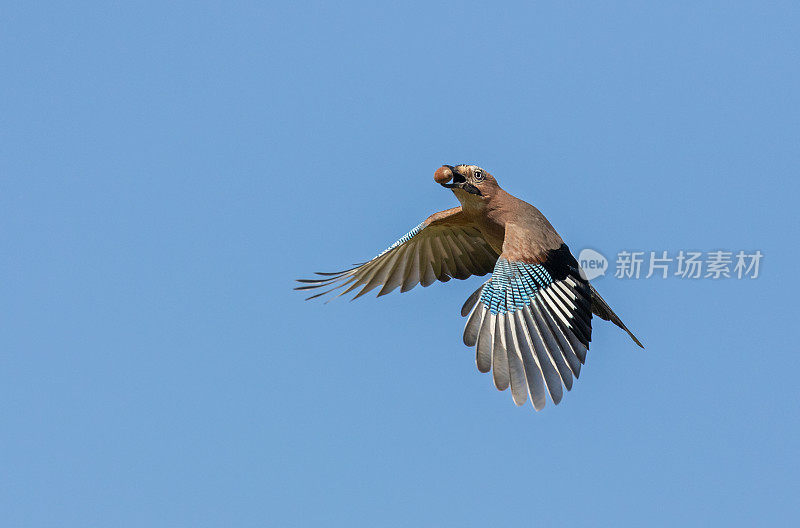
[[531, 322]]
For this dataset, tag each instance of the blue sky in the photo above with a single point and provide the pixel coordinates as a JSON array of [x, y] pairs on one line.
[[166, 171]]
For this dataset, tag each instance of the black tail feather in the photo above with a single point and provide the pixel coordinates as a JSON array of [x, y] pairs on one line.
[[602, 310]]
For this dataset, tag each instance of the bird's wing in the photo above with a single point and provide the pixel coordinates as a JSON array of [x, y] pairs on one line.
[[446, 245], [531, 325]]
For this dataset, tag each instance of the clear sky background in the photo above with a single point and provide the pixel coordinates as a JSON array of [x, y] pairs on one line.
[[166, 171]]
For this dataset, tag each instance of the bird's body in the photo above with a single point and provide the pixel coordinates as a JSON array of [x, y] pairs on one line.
[[531, 321]]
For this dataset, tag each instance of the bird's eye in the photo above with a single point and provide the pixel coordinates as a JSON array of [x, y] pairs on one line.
[[478, 175]]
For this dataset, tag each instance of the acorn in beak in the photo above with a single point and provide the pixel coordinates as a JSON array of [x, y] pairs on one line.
[[446, 173]]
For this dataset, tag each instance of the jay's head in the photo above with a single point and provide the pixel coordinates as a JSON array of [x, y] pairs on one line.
[[469, 183]]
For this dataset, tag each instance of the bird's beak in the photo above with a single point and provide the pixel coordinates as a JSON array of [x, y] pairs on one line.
[[460, 182]]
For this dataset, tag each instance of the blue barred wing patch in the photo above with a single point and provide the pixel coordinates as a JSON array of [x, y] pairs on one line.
[[513, 285], [405, 238]]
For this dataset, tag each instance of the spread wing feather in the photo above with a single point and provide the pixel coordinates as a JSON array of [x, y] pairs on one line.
[[531, 326], [442, 247]]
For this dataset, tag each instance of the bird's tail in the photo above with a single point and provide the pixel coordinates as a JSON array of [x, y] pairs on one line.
[[602, 310]]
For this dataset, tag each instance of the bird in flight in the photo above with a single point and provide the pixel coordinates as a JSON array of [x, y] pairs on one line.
[[531, 322]]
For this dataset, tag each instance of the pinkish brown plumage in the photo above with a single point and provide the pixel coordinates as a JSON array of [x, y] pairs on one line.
[[530, 322]]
